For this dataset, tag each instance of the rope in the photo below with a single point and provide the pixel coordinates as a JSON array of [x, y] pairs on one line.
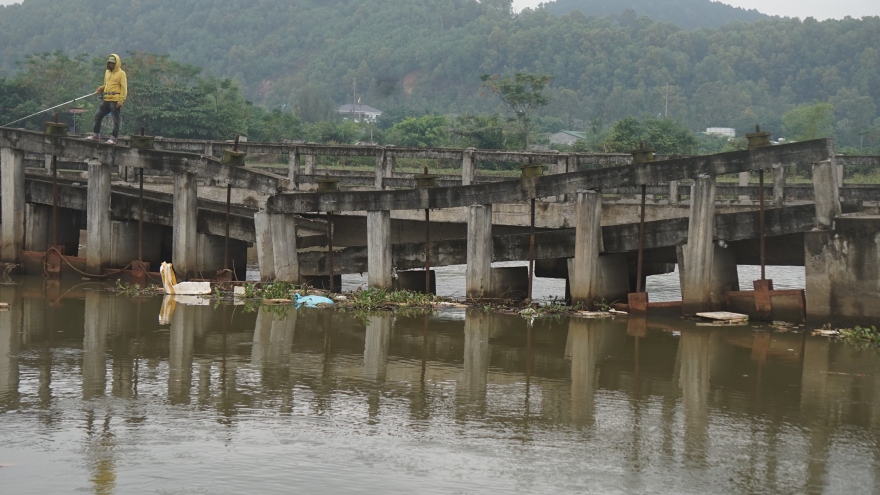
[[91, 275]]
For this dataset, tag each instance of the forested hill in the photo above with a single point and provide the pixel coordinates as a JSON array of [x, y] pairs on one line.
[[429, 54], [689, 14]]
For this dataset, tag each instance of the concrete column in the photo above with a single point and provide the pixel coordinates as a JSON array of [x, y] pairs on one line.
[[185, 240], [263, 244], [384, 167], [827, 194], [468, 167], [587, 246], [180, 355], [743, 182], [97, 325], [98, 218], [38, 222], [478, 276], [310, 164], [293, 168], [840, 174], [560, 167], [209, 148], [47, 164], [674, 197], [698, 253], [779, 175], [379, 264], [378, 337], [283, 227], [12, 204]]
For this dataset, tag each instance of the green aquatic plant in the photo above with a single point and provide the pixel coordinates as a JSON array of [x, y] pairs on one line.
[[861, 336], [132, 290]]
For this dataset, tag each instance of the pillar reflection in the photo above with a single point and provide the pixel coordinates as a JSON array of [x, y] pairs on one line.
[[180, 361], [694, 350], [97, 326], [582, 347], [378, 336], [10, 345], [475, 372]]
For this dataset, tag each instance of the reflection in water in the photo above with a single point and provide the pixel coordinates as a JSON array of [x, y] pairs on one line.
[[454, 402]]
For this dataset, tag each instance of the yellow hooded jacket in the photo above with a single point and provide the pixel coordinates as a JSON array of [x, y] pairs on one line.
[[115, 86]]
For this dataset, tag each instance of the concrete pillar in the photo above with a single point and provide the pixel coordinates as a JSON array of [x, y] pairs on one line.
[[38, 231], [263, 245], [698, 253], [180, 355], [310, 164], [379, 264], [826, 193], [47, 164], [587, 246], [293, 168], [12, 202], [674, 197], [98, 218], [97, 319], [468, 167], [779, 175], [475, 372], [286, 258], [209, 148], [384, 167], [743, 182], [184, 244], [840, 174], [377, 339], [478, 276]]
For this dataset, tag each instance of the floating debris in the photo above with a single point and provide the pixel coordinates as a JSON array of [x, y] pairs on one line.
[[723, 318]]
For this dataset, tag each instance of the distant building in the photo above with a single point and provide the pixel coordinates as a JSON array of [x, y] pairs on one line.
[[722, 131], [359, 112], [566, 137]]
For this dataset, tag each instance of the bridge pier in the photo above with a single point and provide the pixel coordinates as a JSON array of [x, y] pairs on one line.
[[98, 218], [468, 167], [293, 168], [696, 258], [826, 193], [276, 247], [779, 175], [478, 276], [184, 243], [38, 226], [12, 200], [584, 269], [379, 264]]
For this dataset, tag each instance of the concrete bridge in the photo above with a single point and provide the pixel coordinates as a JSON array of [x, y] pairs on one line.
[[712, 228]]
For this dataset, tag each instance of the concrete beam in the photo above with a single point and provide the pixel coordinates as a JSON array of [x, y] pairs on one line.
[[12, 199], [98, 218], [806, 152], [478, 275], [698, 253], [184, 247], [379, 265]]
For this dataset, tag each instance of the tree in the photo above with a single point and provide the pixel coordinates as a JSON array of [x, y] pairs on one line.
[[479, 131], [313, 106], [428, 131], [523, 94], [666, 136], [805, 122]]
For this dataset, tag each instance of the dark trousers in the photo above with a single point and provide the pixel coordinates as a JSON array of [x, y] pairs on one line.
[[108, 108]]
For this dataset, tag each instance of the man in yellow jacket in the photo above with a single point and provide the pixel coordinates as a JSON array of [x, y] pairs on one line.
[[114, 91]]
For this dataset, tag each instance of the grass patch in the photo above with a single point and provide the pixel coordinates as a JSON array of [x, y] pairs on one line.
[[861, 336]]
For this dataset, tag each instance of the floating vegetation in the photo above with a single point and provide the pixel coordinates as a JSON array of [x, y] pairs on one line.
[[861, 336], [135, 290]]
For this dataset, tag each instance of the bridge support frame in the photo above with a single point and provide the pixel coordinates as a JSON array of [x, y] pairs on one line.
[[12, 197], [185, 241], [98, 218], [697, 256], [379, 263], [587, 246], [826, 193], [276, 247], [478, 276]]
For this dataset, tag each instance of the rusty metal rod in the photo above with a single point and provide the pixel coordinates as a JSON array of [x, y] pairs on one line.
[[532, 250], [141, 217], [427, 250], [228, 216], [761, 224], [330, 248], [54, 200], [641, 258]]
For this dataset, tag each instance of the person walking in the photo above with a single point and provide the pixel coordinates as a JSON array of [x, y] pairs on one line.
[[113, 91]]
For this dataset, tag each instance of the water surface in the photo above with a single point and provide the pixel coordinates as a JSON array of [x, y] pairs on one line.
[[97, 397]]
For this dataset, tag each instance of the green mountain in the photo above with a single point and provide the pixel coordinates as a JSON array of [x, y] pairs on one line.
[[427, 55], [689, 14]]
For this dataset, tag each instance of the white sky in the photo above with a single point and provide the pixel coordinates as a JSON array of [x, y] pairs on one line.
[[820, 9]]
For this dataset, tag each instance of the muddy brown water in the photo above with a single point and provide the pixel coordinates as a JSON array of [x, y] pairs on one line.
[[97, 397]]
